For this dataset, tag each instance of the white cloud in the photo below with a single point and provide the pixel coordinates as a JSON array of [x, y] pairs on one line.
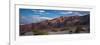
[[47, 13], [42, 11], [46, 18], [39, 11], [70, 12]]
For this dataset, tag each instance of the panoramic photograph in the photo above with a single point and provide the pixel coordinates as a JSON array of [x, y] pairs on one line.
[[52, 22]]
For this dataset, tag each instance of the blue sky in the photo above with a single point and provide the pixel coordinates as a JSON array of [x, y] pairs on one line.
[[37, 15]]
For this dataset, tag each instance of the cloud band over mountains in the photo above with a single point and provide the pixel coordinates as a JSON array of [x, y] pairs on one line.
[[32, 19]]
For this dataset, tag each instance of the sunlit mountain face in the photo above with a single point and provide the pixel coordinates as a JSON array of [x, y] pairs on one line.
[[28, 16]]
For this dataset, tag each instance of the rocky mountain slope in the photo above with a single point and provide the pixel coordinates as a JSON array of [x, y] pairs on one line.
[[72, 24]]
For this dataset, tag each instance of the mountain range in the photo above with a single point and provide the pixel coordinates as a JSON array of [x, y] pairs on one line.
[[59, 24]]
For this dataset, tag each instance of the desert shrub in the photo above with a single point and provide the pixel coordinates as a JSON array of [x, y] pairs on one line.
[[39, 32]]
